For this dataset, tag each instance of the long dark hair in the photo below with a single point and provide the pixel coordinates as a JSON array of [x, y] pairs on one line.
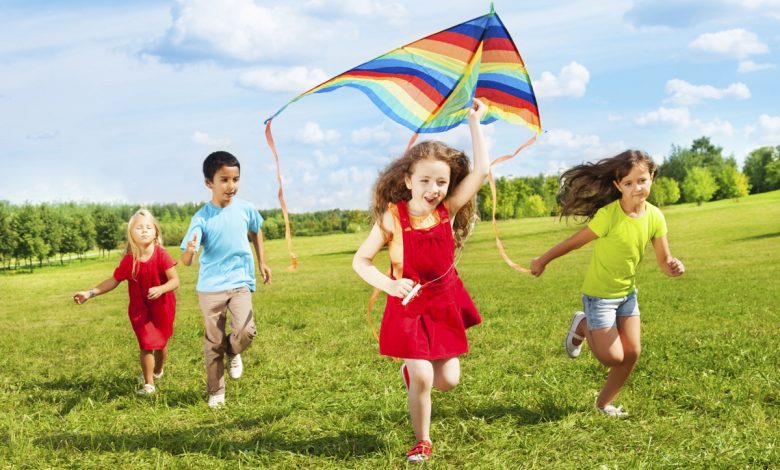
[[390, 186], [586, 188]]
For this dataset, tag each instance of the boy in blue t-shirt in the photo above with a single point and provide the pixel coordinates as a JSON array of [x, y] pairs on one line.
[[226, 279]]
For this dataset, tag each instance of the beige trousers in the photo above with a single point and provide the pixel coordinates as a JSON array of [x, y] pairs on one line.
[[216, 343]]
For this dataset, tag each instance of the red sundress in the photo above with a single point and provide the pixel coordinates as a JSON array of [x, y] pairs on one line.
[[152, 320], [433, 325]]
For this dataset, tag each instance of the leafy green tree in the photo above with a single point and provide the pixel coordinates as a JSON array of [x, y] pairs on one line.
[[755, 168], [53, 228], [699, 185], [733, 184], [534, 206], [7, 235], [665, 191], [701, 154], [28, 229], [107, 229], [772, 177]]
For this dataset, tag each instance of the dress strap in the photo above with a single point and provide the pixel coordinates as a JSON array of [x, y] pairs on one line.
[[444, 213], [403, 215]]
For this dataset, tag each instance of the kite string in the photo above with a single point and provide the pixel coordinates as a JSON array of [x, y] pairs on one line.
[[492, 183], [287, 232]]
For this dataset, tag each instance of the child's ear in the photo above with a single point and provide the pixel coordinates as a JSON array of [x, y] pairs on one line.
[[208, 183], [408, 182], [617, 186]]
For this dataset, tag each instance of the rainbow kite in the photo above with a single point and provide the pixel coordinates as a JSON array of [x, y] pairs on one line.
[[429, 85]]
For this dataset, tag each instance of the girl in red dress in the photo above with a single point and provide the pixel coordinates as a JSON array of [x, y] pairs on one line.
[[423, 205], [151, 279]]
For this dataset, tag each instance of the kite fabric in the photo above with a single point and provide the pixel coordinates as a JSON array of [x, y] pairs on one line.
[[429, 85]]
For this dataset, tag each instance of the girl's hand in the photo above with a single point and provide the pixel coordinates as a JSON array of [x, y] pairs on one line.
[[400, 288], [537, 267], [676, 267], [81, 297], [155, 292], [477, 111]]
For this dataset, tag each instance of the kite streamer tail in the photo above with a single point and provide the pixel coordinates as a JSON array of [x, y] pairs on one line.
[[287, 232], [412, 140], [492, 182]]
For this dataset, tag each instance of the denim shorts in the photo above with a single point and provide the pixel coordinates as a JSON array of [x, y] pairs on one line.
[[603, 313]]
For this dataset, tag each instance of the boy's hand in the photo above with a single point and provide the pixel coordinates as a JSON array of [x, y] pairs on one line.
[[192, 244], [155, 292], [537, 267], [265, 271], [477, 111]]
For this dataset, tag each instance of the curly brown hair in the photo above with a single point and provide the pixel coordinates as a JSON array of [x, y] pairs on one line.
[[586, 188], [391, 188]]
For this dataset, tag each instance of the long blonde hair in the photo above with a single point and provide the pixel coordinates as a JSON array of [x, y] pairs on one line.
[[390, 185], [134, 249]]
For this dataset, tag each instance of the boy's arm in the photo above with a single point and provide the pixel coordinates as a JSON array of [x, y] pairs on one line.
[[579, 239], [105, 286], [257, 243], [471, 183], [189, 253], [670, 265]]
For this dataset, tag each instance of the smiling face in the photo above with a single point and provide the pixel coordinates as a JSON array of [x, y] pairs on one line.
[[224, 185], [428, 182], [635, 186], [143, 231]]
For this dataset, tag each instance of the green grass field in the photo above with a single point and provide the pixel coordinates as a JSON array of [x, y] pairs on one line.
[[316, 393]]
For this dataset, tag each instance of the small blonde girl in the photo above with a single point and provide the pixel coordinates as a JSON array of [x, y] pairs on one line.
[[151, 279]]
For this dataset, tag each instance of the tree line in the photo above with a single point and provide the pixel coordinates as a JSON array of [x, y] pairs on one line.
[[37, 234]]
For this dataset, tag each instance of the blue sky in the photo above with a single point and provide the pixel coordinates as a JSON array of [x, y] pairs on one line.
[[121, 101]]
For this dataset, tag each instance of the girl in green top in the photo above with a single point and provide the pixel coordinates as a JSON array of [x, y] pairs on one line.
[[611, 195]]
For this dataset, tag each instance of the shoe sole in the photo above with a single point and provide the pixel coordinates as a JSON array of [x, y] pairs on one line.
[[568, 333]]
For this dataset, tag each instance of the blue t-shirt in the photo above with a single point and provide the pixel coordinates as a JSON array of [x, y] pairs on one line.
[[226, 261]]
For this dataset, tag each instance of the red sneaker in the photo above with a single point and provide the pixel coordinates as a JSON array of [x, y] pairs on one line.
[[405, 375], [420, 452]]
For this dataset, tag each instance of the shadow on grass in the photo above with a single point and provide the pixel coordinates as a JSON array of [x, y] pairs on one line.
[[215, 440], [759, 237], [547, 411], [69, 392]]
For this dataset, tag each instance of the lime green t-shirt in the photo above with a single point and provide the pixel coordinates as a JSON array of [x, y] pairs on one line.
[[619, 249]]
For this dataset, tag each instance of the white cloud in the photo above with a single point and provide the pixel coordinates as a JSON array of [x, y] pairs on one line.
[[747, 66], [770, 126], [765, 7], [585, 147], [324, 160], [312, 133], [738, 43], [611, 117], [293, 79], [684, 93], [42, 135], [394, 13], [567, 139], [241, 30], [680, 119], [572, 81], [204, 139], [374, 134], [351, 175]]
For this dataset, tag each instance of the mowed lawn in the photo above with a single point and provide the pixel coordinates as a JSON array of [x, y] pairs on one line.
[[316, 394]]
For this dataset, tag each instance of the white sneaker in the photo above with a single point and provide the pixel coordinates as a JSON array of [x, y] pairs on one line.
[[614, 412], [571, 349], [147, 389], [215, 401], [158, 376], [236, 367]]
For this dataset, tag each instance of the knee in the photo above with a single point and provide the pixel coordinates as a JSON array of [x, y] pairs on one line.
[[612, 358], [631, 356], [421, 382], [446, 383]]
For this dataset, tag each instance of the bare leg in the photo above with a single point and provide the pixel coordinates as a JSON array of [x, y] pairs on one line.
[[160, 356], [147, 365], [629, 331], [446, 373], [419, 395]]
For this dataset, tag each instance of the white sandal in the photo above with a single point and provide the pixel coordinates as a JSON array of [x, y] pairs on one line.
[[571, 349], [613, 411]]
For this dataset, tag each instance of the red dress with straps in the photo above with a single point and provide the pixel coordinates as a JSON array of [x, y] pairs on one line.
[[433, 325]]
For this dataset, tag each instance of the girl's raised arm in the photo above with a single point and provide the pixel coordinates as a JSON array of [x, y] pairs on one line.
[[579, 239], [468, 187]]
